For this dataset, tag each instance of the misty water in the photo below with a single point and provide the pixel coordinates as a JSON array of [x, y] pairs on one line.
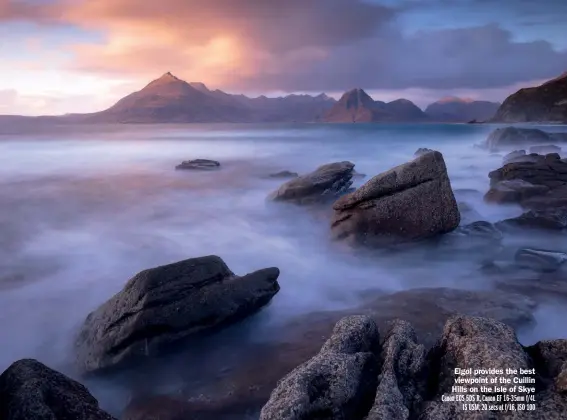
[[83, 210]]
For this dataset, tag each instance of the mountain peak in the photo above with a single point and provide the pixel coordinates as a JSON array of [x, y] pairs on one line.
[[168, 76], [200, 86]]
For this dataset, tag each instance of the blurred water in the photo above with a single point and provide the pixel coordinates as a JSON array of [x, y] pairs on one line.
[[84, 209]]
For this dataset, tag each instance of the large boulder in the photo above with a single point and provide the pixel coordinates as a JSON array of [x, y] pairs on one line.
[[410, 202], [326, 183], [508, 137], [162, 305], [338, 383], [29, 390], [513, 191]]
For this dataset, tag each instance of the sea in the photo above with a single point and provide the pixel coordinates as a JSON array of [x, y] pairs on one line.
[[83, 209]]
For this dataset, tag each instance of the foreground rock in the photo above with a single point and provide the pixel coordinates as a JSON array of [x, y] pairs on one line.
[[162, 305], [325, 184], [410, 382], [508, 137], [199, 164], [339, 383], [534, 185], [29, 390], [410, 202]]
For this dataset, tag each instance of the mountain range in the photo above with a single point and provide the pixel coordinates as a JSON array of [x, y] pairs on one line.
[[169, 99]]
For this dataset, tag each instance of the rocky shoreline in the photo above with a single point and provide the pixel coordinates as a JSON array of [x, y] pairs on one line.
[[393, 357]]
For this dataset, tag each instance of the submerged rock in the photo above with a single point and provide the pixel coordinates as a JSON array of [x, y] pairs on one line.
[[540, 259], [199, 164], [163, 305], [410, 202], [29, 390], [515, 156], [326, 183], [513, 191], [284, 174], [502, 138], [551, 219], [338, 383]]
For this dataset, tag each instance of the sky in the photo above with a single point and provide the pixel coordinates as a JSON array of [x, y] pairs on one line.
[[62, 56]]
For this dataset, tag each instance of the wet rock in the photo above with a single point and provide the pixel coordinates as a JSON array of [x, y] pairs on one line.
[[338, 383], [513, 191], [326, 183], [551, 219], [29, 390], [514, 156], [199, 165], [410, 202], [547, 173], [422, 151], [503, 138], [163, 305], [545, 149], [403, 371], [540, 260], [284, 174]]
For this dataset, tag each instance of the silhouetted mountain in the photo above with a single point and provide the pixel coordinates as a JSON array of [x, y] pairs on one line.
[[544, 103], [453, 109], [357, 106]]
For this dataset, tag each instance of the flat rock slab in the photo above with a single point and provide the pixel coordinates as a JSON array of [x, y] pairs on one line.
[[326, 183], [166, 304], [199, 165]]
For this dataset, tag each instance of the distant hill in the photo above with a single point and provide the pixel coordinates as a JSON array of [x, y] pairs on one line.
[[544, 103], [357, 106], [454, 109], [169, 99]]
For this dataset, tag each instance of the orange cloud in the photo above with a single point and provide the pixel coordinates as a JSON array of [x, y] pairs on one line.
[[221, 42]]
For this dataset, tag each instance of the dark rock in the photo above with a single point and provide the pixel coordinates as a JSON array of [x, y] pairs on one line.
[[338, 383], [545, 149], [199, 164], [514, 156], [422, 151], [29, 390], [513, 191], [549, 356], [163, 305], [325, 183], [507, 137], [540, 260], [551, 219], [410, 202], [284, 174], [548, 172], [403, 369]]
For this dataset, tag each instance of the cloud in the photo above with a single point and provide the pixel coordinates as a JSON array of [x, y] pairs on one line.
[[295, 45]]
